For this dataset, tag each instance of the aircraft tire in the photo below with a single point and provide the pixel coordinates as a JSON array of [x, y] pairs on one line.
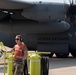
[[62, 55], [44, 66], [73, 54]]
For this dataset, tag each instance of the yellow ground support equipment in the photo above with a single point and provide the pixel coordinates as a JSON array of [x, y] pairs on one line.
[[1, 48], [35, 64], [10, 63], [8, 56]]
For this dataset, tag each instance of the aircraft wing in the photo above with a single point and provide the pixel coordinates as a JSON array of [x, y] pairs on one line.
[[14, 4]]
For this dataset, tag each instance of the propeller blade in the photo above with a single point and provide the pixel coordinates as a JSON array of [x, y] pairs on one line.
[[71, 11]]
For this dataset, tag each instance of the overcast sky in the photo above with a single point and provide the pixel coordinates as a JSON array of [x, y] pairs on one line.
[[60, 1]]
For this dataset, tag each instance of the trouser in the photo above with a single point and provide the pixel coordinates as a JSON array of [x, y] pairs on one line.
[[18, 68]]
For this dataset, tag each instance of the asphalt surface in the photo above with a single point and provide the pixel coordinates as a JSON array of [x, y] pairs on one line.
[[57, 66], [62, 66]]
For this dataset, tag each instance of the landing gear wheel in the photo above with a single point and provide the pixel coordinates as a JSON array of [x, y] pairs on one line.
[[61, 55], [73, 54]]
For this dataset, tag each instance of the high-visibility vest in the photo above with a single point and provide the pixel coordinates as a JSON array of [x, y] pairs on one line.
[[18, 51]]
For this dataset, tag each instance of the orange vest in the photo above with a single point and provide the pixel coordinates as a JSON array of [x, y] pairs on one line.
[[18, 51]]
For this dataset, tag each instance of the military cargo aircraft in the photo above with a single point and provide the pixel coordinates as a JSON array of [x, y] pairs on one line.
[[44, 26]]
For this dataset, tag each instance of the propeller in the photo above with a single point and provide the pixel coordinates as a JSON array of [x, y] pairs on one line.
[[71, 11]]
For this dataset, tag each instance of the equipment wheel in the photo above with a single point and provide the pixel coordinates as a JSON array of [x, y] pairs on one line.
[[25, 68], [44, 66], [61, 55]]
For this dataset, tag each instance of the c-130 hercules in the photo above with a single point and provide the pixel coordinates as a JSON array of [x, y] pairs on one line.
[[45, 26]]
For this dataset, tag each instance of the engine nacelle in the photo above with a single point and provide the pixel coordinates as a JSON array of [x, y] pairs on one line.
[[45, 12], [34, 27]]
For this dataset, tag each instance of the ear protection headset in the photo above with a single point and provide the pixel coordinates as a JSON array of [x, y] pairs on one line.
[[19, 37]]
